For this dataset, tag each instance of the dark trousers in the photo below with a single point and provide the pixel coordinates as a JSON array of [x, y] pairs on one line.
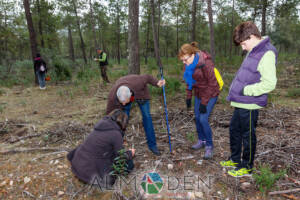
[[242, 136], [103, 73]]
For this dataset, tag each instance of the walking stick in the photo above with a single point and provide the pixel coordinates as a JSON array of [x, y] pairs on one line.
[[166, 111]]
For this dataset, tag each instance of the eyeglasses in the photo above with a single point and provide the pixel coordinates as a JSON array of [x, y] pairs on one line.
[[184, 60]]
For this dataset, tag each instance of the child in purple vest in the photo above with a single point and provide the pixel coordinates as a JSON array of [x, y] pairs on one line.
[[248, 93]]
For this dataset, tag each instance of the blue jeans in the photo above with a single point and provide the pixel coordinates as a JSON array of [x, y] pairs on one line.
[[41, 78], [202, 124], [147, 120]]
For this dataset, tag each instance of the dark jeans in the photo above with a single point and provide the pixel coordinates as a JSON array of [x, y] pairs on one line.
[[41, 78], [202, 125], [242, 135], [103, 73], [147, 120]]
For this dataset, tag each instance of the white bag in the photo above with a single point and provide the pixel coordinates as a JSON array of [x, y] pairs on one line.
[[42, 68]]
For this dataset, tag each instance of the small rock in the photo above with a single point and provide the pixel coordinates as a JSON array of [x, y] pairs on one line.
[[191, 195], [3, 183], [60, 193], [157, 162], [57, 173], [60, 167], [199, 195], [56, 162], [219, 192], [245, 185], [199, 162], [51, 162], [27, 180], [170, 166], [11, 183]]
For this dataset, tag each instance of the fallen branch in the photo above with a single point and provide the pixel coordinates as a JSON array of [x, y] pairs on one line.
[[29, 194], [184, 158], [27, 150], [47, 154], [290, 196], [285, 191], [24, 138]]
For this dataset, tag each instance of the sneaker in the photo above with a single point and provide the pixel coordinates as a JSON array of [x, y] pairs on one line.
[[228, 163], [240, 172], [208, 152], [42, 88], [200, 144]]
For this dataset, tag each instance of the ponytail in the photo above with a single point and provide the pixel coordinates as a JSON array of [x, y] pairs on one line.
[[189, 49]]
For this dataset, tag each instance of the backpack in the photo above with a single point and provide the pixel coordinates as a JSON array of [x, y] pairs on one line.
[[219, 78], [217, 75]]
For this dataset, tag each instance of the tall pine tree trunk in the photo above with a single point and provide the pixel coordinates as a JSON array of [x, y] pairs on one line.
[[211, 27], [193, 31], [133, 37], [79, 32], [71, 47], [40, 24], [158, 21], [231, 32], [118, 38], [32, 35], [93, 25], [177, 26], [263, 17], [155, 39], [147, 37]]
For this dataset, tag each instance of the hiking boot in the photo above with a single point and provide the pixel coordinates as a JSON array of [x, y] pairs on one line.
[[200, 144], [155, 151], [228, 163], [208, 152], [240, 172]]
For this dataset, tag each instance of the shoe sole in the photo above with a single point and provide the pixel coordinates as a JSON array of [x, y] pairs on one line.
[[229, 166], [245, 175]]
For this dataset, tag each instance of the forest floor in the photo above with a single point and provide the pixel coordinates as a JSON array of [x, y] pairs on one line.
[[38, 128]]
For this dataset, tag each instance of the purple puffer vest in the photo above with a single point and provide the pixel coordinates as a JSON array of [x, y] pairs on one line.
[[248, 75]]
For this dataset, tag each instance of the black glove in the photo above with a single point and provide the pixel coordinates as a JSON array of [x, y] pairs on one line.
[[202, 108], [188, 103]]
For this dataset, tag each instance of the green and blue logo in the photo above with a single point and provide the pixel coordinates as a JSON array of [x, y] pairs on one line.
[[152, 183]]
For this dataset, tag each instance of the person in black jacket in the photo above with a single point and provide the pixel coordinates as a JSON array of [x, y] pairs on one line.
[[92, 161], [103, 62], [40, 68]]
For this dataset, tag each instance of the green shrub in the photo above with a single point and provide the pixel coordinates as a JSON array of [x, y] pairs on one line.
[[191, 137], [120, 164], [87, 74], [117, 73], [293, 92], [173, 86], [265, 178], [2, 107], [19, 73], [62, 71], [85, 89]]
